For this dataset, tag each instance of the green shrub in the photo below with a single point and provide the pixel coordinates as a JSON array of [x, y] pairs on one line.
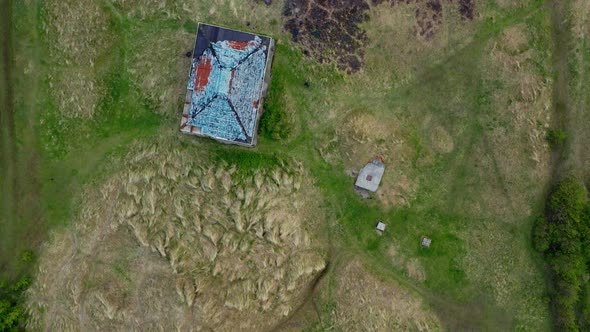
[[567, 201], [563, 238], [12, 314], [28, 256], [584, 311], [21, 285], [276, 122], [585, 233], [555, 137]]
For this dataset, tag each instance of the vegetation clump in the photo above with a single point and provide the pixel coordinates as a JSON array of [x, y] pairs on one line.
[[12, 314], [276, 122], [555, 137], [563, 236]]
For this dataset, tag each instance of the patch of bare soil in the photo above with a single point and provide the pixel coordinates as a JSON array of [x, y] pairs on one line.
[[176, 243], [330, 30], [366, 303]]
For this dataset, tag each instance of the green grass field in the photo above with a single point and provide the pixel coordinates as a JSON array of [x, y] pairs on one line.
[[461, 120]]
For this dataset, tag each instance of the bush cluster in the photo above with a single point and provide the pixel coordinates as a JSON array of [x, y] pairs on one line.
[[276, 122], [12, 314], [563, 236], [555, 137]]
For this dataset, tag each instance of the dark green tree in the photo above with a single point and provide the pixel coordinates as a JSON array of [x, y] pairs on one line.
[[563, 237]]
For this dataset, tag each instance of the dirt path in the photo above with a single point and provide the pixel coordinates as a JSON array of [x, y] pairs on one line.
[[578, 116], [22, 216], [561, 101], [8, 144], [570, 93]]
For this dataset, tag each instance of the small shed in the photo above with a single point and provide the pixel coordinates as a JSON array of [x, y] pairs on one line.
[[426, 242], [370, 176], [380, 227]]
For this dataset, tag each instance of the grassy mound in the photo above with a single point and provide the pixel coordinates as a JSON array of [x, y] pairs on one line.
[[173, 235]]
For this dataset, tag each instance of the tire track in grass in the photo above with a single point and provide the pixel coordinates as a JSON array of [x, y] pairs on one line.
[[8, 144], [32, 223], [26, 223], [561, 35], [571, 92], [23, 214]]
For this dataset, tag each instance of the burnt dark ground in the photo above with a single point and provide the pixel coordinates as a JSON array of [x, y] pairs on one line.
[[330, 30], [429, 18], [467, 9]]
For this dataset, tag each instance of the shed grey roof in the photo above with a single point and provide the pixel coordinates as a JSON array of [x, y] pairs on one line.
[[370, 176]]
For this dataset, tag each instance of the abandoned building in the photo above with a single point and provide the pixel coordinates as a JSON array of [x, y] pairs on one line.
[[228, 81], [426, 242], [370, 176]]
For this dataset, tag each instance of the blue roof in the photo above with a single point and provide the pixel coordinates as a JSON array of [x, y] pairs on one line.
[[226, 84]]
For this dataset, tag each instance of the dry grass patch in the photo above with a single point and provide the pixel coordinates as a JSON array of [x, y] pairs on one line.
[[514, 40], [441, 141], [397, 189], [366, 303], [578, 58], [501, 261], [391, 29], [580, 10], [412, 267], [76, 91], [522, 109], [147, 8], [414, 33], [199, 244], [511, 166], [159, 68], [77, 31], [245, 15], [512, 5], [77, 35], [510, 161]]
